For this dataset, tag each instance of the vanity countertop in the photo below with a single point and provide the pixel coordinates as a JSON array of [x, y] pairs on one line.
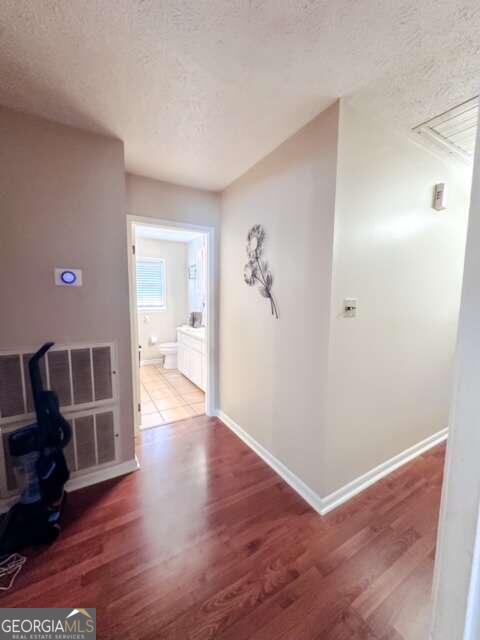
[[198, 333]]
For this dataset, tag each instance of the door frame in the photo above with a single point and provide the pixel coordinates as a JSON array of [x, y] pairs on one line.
[[211, 390], [456, 583]]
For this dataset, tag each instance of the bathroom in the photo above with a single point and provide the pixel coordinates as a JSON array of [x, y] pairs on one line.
[[171, 310]]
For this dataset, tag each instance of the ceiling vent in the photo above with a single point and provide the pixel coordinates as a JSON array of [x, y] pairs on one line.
[[454, 130]]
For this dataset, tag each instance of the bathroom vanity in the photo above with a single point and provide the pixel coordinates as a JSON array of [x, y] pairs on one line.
[[192, 354]]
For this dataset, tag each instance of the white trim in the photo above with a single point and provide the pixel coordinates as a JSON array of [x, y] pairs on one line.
[[472, 621], [86, 480], [100, 475], [132, 304], [211, 392], [345, 493], [361, 483], [284, 472], [144, 363]]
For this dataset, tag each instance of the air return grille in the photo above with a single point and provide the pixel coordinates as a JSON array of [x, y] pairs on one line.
[[454, 130], [94, 444], [80, 375]]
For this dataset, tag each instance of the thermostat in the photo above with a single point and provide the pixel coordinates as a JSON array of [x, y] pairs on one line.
[[66, 277]]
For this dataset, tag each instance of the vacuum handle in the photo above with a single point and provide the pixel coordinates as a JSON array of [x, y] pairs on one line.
[[35, 376]]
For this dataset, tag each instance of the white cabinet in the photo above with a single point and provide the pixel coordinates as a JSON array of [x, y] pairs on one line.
[[195, 368], [191, 356]]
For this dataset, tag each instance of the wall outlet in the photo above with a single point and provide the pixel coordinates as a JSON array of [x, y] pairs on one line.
[[350, 307]]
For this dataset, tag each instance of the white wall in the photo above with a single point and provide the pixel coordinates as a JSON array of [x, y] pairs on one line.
[[62, 204], [273, 372], [163, 324], [390, 368], [459, 533]]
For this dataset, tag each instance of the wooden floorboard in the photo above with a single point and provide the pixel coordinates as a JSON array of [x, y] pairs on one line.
[[205, 541]]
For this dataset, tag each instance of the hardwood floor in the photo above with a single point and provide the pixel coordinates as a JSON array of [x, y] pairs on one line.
[[205, 541]]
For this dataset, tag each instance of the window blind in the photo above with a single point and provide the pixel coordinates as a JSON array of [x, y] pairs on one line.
[[151, 283]]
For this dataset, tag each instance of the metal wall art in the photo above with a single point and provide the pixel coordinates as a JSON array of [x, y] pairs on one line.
[[256, 270]]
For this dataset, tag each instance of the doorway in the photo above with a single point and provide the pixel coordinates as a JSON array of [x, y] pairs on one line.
[[172, 315]]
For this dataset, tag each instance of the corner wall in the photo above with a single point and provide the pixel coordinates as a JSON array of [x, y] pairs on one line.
[[273, 373], [390, 368], [335, 398], [62, 203]]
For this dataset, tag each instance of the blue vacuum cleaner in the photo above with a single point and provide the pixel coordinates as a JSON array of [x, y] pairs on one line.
[[37, 451]]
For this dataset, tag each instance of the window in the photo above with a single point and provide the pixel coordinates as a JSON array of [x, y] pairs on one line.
[[151, 283]]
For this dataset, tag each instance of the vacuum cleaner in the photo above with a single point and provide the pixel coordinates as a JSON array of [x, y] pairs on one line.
[[37, 453]]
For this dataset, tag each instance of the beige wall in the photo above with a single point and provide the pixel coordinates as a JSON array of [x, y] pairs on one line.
[[333, 397], [273, 372], [309, 387], [182, 205], [163, 324], [157, 199], [390, 368], [62, 204]]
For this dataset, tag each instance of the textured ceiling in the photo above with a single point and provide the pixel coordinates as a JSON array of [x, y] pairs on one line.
[[199, 90]]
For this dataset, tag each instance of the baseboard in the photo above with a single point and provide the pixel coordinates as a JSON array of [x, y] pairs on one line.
[[345, 493], [143, 363], [284, 472], [87, 480], [100, 475]]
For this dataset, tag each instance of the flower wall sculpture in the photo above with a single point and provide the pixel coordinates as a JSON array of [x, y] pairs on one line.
[[256, 270]]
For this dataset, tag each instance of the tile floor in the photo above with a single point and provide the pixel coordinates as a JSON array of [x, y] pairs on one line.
[[167, 396]]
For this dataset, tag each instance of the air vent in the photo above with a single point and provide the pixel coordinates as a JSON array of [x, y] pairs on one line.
[[80, 375], [93, 445], [28, 387], [59, 376], [455, 130], [11, 386]]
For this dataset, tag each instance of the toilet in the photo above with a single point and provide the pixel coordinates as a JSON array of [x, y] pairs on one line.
[[169, 350]]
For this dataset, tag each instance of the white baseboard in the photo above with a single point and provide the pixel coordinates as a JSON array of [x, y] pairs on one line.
[[87, 480], [345, 493], [100, 475], [151, 361], [335, 499], [284, 472]]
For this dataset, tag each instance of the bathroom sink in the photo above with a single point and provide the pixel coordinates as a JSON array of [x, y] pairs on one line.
[[198, 332]]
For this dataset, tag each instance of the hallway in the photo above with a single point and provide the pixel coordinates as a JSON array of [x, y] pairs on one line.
[[205, 541]]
